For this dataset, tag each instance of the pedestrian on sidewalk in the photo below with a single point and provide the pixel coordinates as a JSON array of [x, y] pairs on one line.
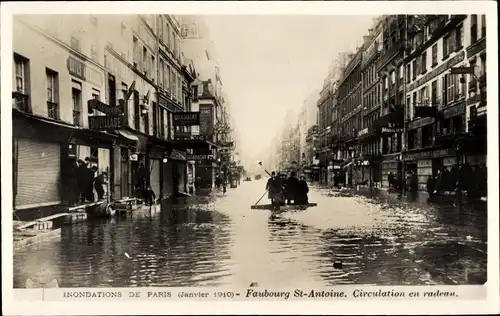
[[149, 196]]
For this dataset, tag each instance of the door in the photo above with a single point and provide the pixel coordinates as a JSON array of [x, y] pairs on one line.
[[38, 173], [124, 174], [155, 166]]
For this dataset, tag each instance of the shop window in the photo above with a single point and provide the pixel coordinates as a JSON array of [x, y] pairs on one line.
[[427, 136]]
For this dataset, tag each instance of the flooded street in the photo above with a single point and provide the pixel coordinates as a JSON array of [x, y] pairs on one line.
[[221, 241]]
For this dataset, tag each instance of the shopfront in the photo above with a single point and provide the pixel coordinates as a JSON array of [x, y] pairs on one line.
[[427, 162]]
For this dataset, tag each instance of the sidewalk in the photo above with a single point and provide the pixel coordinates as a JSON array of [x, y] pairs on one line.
[[419, 199]]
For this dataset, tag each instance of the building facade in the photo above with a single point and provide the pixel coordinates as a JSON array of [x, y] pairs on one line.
[[103, 88], [369, 137], [349, 98], [438, 98]]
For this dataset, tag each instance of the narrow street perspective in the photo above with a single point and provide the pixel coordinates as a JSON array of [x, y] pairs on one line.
[[282, 151]]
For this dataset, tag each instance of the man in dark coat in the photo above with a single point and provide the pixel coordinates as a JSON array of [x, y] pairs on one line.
[[302, 190], [431, 186], [291, 186], [273, 186]]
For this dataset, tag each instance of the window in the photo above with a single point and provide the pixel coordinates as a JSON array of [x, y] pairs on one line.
[[173, 89], [137, 111], [145, 59], [178, 48], [21, 74], [393, 77], [446, 48], [434, 93], [452, 88], [171, 42], [179, 87], [459, 37], [427, 136], [166, 38], [414, 69], [76, 98], [162, 126], [482, 70], [155, 119], [93, 52], [96, 95], [434, 55], [473, 28], [111, 90], [415, 98], [161, 80], [424, 96], [408, 73], [423, 63], [136, 50], [52, 102], [153, 67], [75, 43], [167, 78], [408, 105], [483, 25]]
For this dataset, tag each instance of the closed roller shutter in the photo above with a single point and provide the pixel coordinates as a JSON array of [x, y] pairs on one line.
[[38, 173], [155, 176]]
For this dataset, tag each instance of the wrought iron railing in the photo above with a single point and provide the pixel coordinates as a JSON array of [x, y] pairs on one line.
[[20, 102], [53, 110], [77, 117]]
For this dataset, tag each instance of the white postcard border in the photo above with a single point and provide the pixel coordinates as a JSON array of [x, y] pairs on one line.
[[219, 307]]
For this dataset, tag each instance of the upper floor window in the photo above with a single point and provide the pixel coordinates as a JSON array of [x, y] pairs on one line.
[[473, 28], [21, 73], [52, 95], [423, 62], [483, 25], [434, 55]]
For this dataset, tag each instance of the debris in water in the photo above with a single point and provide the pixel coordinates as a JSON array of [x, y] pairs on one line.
[[469, 237], [126, 255]]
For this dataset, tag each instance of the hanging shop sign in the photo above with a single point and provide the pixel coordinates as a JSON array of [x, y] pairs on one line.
[[105, 122], [391, 130], [187, 136], [186, 118], [200, 157], [206, 119], [430, 154], [107, 109]]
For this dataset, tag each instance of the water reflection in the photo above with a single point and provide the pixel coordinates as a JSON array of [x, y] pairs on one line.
[[212, 241], [179, 246]]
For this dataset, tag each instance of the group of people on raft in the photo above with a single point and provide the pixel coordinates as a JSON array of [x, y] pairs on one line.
[[291, 189]]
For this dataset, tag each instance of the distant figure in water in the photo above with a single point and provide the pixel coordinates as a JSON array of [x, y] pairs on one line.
[[302, 190]]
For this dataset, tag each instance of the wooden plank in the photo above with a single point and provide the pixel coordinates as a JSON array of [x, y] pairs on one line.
[[51, 217], [283, 207]]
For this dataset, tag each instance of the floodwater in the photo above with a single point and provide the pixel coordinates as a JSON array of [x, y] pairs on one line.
[[219, 240]]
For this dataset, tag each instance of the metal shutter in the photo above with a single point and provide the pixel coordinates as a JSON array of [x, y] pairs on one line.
[[38, 173], [155, 176]]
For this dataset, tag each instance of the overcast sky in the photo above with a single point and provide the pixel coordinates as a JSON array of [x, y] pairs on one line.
[[270, 64]]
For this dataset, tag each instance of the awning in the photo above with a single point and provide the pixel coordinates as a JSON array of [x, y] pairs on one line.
[[128, 135]]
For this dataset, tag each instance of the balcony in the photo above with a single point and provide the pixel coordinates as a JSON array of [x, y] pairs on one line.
[[20, 102], [53, 110], [476, 47]]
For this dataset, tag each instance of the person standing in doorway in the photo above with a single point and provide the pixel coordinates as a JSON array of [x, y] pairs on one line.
[[89, 185], [99, 183]]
